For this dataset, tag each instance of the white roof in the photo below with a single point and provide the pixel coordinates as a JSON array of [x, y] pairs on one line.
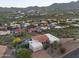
[[4, 32], [52, 38], [35, 44], [58, 27], [77, 25]]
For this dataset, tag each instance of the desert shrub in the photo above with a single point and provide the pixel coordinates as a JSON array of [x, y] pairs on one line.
[[23, 53], [62, 50], [23, 46]]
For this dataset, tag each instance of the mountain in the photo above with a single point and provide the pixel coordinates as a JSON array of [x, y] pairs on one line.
[[44, 10], [65, 6]]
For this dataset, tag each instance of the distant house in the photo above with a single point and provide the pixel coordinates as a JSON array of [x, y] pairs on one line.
[[24, 25], [35, 46], [5, 32], [44, 23], [75, 25], [75, 19], [3, 28], [14, 25], [44, 27], [52, 25], [18, 30], [72, 20], [32, 30], [15, 31], [58, 27]]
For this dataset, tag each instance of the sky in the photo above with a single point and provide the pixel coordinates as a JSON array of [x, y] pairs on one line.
[[27, 3]]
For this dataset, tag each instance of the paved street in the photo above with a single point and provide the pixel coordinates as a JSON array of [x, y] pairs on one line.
[[8, 54], [74, 54]]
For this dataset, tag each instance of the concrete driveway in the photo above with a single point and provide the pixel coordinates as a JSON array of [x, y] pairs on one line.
[[73, 54]]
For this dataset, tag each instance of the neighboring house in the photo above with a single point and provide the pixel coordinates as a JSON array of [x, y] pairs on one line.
[[69, 21], [26, 41], [38, 29], [58, 27], [52, 25], [72, 20], [24, 25], [75, 19], [44, 22], [35, 46], [44, 27], [75, 25], [16, 31], [5, 32], [52, 38], [3, 28], [14, 25], [32, 30]]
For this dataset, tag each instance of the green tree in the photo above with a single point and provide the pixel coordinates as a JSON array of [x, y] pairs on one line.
[[23, 53], [62, 49], [16, 41]]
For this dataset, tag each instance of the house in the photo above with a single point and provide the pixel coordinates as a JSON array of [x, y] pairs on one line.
[[5, 32], [15, 31], [52, 25], [44, 27], [3, 28], [75, 19], [75, 25], [18, 30], [33, 28], [40, 38], [35, 46], [52, 38], [43, 39], [44, 23], [72, 20], [26, 41], [14, 25], [58, 27], [38, 29], [24, 25]]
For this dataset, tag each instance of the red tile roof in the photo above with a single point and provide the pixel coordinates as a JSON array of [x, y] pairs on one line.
[[40, 38]]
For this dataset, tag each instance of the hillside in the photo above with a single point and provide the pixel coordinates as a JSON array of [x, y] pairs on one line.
[[55, 6]]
